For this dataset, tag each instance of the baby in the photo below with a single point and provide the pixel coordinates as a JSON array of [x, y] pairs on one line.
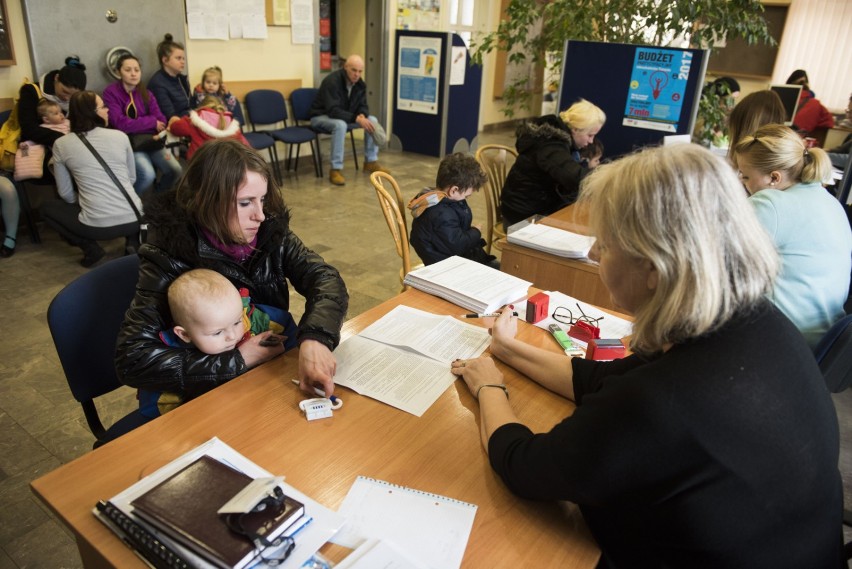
[[212, 85], [214, 317], [29, 159], [591, 154]]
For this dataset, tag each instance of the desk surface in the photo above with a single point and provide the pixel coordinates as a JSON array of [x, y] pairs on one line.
[[258, 415], [580, 279]]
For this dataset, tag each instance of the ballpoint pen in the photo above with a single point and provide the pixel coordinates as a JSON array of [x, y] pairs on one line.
[[489, 315]]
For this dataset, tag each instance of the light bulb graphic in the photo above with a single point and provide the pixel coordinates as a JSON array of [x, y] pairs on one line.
[[658, 80]]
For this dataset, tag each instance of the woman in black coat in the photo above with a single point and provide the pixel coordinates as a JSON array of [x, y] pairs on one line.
[[546, 176], [227, 215]]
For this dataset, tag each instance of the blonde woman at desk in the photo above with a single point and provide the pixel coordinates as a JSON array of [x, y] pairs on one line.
[[716, 443], [807, 225]]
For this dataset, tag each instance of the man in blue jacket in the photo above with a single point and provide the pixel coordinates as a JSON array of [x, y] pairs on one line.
[[342, 100]]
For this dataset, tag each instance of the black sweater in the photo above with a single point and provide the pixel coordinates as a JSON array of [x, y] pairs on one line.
[[720, 453], [546, 175]]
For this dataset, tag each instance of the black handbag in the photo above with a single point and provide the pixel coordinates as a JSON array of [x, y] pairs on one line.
[[146, 142], [143, 227]]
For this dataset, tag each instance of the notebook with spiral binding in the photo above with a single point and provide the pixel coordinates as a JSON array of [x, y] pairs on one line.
[[430, 528]]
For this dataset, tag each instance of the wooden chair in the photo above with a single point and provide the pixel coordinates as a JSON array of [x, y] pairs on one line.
[[393, 208], [496, 160]]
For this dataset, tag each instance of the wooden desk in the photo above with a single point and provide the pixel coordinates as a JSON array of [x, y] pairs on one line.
[[573, 277], [258, 415]]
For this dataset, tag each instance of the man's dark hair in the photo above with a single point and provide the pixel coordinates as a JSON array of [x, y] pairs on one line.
[[460, 170]]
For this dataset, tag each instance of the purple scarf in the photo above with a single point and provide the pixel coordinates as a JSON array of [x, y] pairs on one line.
[[238, 253]]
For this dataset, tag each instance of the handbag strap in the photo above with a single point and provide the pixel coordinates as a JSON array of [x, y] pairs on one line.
[[111, 175]]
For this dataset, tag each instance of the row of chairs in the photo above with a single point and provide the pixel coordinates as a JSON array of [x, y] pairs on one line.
[[268, 107]]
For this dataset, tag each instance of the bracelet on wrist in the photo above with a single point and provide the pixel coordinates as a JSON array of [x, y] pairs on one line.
[[497, 385]]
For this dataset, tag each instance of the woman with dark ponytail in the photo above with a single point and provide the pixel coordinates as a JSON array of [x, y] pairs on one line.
[[169, 85]]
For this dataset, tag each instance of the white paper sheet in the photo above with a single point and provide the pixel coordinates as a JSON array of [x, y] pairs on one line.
[[431, 529], [382, 554]]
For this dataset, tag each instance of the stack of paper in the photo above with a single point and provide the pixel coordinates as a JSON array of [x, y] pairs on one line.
[[552, 240], [469, 284]]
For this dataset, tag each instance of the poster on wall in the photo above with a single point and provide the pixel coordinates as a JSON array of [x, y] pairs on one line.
[[657, 87], [418, 74]]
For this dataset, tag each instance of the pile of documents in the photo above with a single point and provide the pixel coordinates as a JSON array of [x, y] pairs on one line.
[[469, 284], [552, 240]]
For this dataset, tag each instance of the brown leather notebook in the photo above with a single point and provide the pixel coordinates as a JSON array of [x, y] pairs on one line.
[[185, 507]]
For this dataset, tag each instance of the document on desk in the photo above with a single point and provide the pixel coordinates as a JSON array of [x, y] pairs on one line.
[[471, 285], [552, 240], [403, 359], [430, 528]]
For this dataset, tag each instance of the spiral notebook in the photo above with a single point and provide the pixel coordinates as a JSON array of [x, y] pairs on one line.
[[430, 528]]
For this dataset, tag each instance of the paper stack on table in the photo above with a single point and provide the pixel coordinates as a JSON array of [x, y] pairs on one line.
[[552, 240], [469, 284]]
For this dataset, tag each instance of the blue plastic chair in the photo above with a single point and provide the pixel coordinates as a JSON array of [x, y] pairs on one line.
[[834, 355], [262, 141], [267, 107], [302, 99], [84, 319]]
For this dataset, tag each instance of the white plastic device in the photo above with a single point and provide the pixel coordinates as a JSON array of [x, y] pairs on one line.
[[318, 408]]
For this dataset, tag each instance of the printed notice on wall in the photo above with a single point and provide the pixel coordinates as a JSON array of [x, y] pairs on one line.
[[657, 87], [418, 74]]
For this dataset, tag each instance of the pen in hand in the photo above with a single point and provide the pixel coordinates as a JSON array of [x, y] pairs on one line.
[[319, 392], [489, 315]]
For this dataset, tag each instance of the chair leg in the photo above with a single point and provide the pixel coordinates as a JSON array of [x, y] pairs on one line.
[[354, 152], [24, 199], [273, 155], [317, 157], [298, 151]]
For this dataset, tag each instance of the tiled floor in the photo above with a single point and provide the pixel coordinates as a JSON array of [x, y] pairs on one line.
[[42, 427]]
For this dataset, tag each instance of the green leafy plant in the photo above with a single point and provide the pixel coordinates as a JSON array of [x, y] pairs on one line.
[[533, 28]]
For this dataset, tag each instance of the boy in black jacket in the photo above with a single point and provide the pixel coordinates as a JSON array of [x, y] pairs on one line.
[[442, 219]]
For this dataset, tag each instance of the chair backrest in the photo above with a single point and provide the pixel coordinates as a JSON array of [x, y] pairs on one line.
[[266, 106], [496, 160], [393, 208], [84, 319], [301, 99], [834, 355]]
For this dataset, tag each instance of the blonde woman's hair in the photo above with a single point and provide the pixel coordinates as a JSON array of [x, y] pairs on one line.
[[583, 116], [195, 289], [684, 210], [775, 147]]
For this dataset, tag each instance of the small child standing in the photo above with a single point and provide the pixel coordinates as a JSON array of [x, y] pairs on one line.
[[213, 85], [29, 160], [591, 154], [210, 120], [442, 225], [212, 316]]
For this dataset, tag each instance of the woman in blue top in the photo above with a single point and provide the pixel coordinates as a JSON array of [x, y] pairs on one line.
[[806, 223], [169, 85], [134, 110]]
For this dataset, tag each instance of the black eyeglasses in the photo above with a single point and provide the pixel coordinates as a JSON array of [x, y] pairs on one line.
[[272, 551], [563, 315]]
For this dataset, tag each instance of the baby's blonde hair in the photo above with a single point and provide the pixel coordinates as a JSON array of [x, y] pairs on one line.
[[215, 70], [194, 289], [213, 102]]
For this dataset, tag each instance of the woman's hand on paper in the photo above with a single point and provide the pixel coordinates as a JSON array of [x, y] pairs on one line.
[[477, 372], [316, 368], [504, 330]]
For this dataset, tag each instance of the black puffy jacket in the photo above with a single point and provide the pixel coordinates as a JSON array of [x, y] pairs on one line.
[[175, 246], [546, 176], [444, 230]]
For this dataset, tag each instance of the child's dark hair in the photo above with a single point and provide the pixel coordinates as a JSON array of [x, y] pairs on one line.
[[166, 47], [460, 170], [592, 150], [73, 74], [45, 104]]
